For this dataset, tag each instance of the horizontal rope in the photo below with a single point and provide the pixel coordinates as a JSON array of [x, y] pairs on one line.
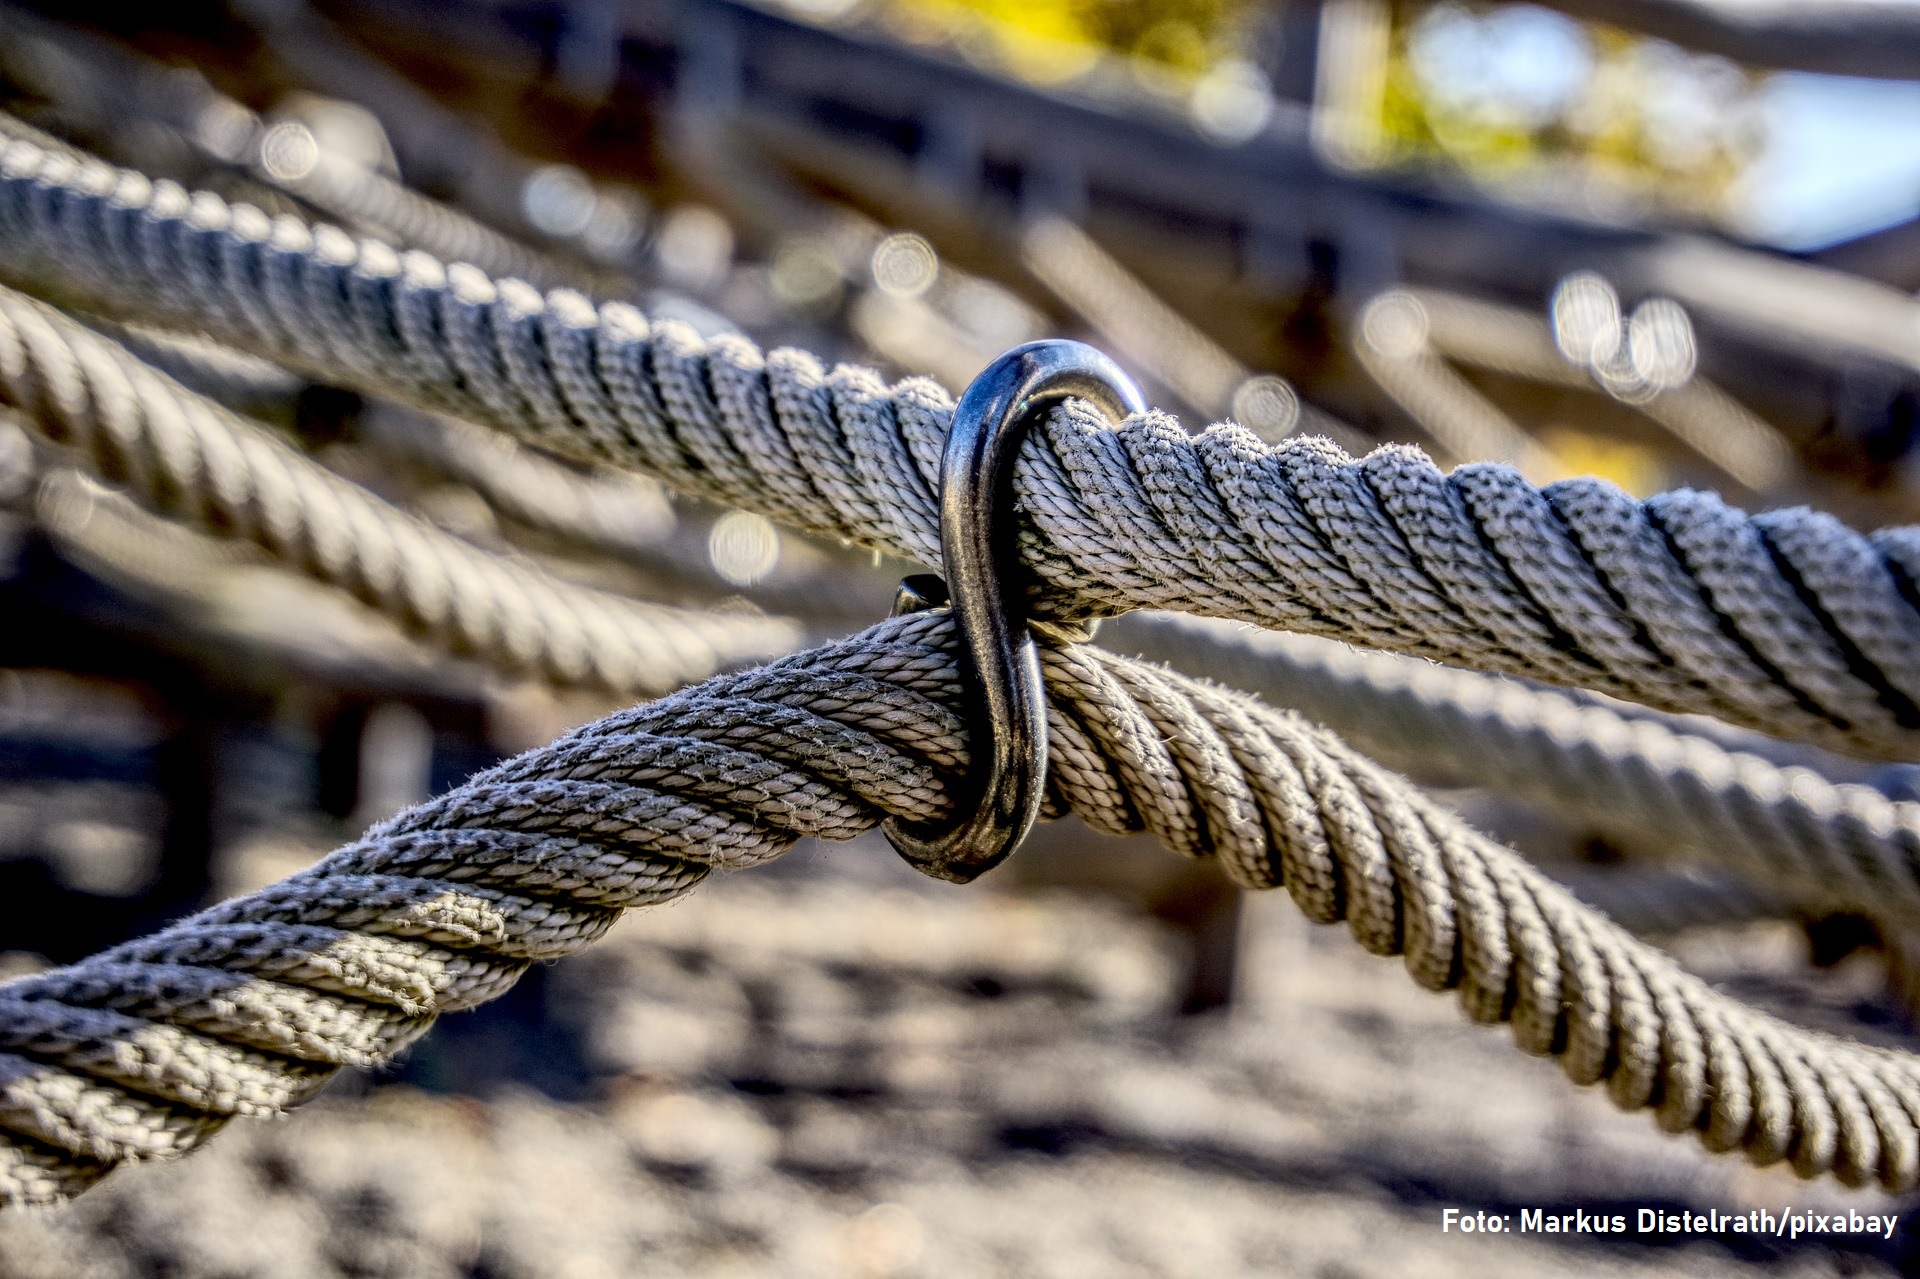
[[1837, 844], [1787, 622], [189, 458], [1656, 900], [146, 1049]]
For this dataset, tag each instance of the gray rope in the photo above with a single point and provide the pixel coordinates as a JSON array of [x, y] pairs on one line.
[[380, 206], [1656, 900], [616, 511], [1836, 844], [107, 89], [1787, 622], [190, 458], [143, 1051], [604, 509], [250, 386]]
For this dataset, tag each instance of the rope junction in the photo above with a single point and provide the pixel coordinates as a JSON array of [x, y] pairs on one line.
[[1787, 623]]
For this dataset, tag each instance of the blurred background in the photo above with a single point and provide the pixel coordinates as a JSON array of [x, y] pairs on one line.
[[1668, 242]]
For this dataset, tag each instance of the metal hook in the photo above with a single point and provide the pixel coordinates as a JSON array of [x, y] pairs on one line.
[[1007, 720]]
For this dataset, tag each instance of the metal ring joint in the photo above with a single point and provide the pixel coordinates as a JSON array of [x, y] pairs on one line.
[[1006, 702]]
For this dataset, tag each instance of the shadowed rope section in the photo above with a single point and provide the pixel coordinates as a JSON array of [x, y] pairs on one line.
[[145, 1050], [1788, 622]]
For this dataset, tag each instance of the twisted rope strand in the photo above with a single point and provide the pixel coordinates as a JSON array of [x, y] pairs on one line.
[[602, 509], [1834, 843], [192, 459], [1790, 624], [145, 1050]]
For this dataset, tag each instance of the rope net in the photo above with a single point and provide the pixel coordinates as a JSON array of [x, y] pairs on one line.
[[1786, 623]]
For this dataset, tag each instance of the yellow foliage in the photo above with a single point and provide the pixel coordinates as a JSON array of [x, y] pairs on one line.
[[1633, 467], [1048, 41], [1641, 118]]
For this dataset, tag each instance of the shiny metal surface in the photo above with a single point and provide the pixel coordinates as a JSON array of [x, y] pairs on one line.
[[1008, 709]]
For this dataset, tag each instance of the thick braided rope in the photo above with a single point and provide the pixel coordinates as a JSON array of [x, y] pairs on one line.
[[191, 459], [603, 509], [144, 1050], [1834, 843], [1786, 622]]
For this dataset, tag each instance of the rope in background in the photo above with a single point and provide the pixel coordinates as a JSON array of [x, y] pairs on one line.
[[145, 1050], [1786, 622], [340, 188], [250, 386], [104, 89], [605, 509], [618, 512], [188, 457], [1836, 844]]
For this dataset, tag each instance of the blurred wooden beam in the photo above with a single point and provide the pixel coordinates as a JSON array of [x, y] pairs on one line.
[[1878, 38]]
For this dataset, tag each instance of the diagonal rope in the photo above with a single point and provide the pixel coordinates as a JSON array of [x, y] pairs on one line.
[[145, 1050], [190, 458], [602, 509], [1787, 622]]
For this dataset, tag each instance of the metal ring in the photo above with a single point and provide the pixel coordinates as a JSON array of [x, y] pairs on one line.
[[1007, 705]]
